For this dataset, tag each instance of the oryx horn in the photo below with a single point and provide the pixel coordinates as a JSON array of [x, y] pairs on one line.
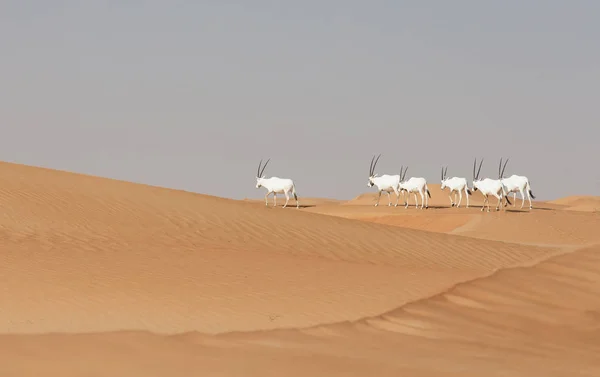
[[372, 168], [501, 172], [475, 176], [263, 168]]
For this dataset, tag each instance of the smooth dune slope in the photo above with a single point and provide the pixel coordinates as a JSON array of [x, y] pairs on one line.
[[542, 320], [560, 222], [579, 203], [103, 277], [90, 254]]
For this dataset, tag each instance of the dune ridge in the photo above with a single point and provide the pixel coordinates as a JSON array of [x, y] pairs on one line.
[[473, 332], [115, 271]]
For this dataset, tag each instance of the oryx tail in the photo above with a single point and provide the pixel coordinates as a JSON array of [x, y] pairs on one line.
[[505, 194], [528, 188]]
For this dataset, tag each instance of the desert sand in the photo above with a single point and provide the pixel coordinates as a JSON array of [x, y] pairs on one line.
[[100, 277]]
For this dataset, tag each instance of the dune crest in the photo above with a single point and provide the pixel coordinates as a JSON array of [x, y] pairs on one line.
[[121, 273]]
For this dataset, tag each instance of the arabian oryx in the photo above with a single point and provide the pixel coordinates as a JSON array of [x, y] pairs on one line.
[[488, 187], [456, 186], [386, 182], [414, 185], [516, 183], [276, 186]]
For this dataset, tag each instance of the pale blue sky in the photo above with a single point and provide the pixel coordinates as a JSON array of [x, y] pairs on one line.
[[192, 94]]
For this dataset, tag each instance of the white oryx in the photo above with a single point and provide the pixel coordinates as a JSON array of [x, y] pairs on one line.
[[517, 183], [386, 182], [414, 185], [488, 186], [456, 186], [275, 186]]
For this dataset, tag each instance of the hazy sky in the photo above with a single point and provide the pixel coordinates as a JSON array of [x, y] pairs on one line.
[[192, 94]]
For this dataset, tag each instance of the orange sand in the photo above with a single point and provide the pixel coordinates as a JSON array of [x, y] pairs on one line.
[[102, 277]]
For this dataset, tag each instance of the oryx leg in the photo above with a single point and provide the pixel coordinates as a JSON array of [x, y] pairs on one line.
[[287, 198], [499, 201], [416, 200], [423, 198], [451, 201], [467, 195], [522, 198], [389, 200], [528, 197], [459, 198], [378, 197], [274, 199], [397, 196], [267, 198]]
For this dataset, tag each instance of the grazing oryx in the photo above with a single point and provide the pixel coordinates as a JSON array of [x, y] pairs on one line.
[[456, 186], [387, 183], [276, 186], [516, 183], [488, 187], [414, 185]]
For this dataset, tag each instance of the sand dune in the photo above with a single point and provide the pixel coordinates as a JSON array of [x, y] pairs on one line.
[[142, 280], [579, 203]]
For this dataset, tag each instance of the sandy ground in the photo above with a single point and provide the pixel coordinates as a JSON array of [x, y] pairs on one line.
[[108, 278]]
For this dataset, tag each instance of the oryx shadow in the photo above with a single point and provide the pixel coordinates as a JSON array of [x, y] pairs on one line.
[[527, 210], [293, 206]]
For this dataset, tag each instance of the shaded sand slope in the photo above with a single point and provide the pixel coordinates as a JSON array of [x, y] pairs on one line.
[[579, 203], [544, 225], [542, 320], [539, 227], [87, 254]]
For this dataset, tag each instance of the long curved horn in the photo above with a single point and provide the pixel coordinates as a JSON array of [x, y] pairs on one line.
[[446, 173], [258, 170], [504, 167], [474, 167], [375, 164], [371, 166], [479, 170], [442, 173], [404, 175], [500, 169], [263, 168]]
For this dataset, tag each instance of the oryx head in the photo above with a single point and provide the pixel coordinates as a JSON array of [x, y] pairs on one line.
[[259, 173], [501, 168], [476, 176], [372, 174], [444, 177]]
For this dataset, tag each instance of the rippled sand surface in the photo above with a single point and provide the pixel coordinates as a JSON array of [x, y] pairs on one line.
[[101, 278]]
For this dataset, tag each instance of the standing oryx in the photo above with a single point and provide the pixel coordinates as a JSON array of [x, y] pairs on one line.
[[516, 183], [414, 185], [276, 186], [456, 186], [386, 182], [488, 187]]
